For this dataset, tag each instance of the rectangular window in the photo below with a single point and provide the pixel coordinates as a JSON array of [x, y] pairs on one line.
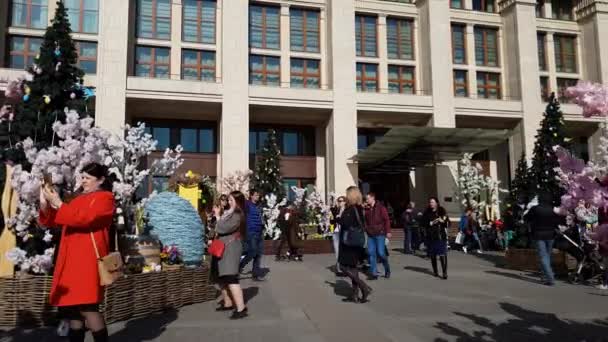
[[304, 30], [83, 15], [562, 85], [488, 85], [291, 141], [154, 19], [459, 49], [400, 38], [198, 21], [565, 53], [264, 70], [542, 56], [367, 77], [305, 73], [457, 4], [152, 62], [198, 65], [461, 88], [22, 51], [540, 8], [366, 33], [562, 9], [401, 79], [486, 46], [87, 56], [29, 13], [264, 27], [193, 139], [544, 88], [484, 5]]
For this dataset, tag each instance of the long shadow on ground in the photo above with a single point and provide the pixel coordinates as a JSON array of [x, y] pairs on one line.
[[525, 325]]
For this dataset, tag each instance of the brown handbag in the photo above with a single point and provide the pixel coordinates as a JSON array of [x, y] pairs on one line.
[[110, 267]]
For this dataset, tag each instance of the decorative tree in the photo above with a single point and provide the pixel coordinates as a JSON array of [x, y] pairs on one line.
[[52, 84], [519, 192], [544, 162], [267, 174], [271, 213], [474, 190]]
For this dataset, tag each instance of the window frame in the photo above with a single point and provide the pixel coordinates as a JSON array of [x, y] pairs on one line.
[[362, 79], [485, 30], [264, 42], [305, 75], [153, 20], [304, 28], [484, 6], [561, 91], [153, 63], [454, 7], [487, 87], [81, 58], [558, 13], [28, 15], [199, 22], [200, 67], [81, 12], [561, 38], [464, 43], [360, 18], [303, 132], [465, 84], [545, 89], [175, 128], [28, 56], [400, 30], [403, 82], [541, 38], [265, 71]]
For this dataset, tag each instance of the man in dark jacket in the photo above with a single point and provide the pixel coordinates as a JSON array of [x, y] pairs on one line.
[[544, 222], [378, 228], [255, 236], [411, 226]]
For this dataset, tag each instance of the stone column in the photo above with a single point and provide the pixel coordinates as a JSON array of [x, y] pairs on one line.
[[4, 23], [342, 126], [470, 48], [382, 54], [285, 46], [520, 18], [435, 17], [110, 110], [234, 125], [176, 40], [550, 53], [593, 54]]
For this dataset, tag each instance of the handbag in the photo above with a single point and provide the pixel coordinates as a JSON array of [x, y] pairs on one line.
[[459, 238], [110, 267], [354, 236], [218, 247]]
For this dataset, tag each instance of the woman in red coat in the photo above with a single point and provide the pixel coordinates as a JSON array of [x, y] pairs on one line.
[[76, 290]]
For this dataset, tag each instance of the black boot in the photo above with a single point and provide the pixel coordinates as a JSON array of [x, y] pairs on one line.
[[76, 335], [444, 265], [100, 335], [434, 264]]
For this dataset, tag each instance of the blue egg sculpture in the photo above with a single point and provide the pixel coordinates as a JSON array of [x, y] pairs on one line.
[[176, 222]]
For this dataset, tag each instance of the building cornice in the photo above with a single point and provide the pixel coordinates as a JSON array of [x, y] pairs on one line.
[[506, 4], [587, 8]]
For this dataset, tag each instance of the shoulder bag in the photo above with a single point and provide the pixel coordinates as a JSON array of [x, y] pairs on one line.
[[354, 236], [217, 247], [110, 267]]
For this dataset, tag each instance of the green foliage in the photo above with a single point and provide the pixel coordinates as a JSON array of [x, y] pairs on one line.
[[55, 77], [551, 133], [267, 173]]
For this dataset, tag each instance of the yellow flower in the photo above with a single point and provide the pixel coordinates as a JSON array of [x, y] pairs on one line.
[[163, 255]]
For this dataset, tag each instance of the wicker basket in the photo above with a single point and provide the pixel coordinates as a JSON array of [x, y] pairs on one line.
[[24, 300]]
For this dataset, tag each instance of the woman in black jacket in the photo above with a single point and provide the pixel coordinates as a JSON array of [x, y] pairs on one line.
[[351, 257], [435, 223]]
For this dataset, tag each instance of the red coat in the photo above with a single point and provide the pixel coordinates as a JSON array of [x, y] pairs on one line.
[[76, 279]]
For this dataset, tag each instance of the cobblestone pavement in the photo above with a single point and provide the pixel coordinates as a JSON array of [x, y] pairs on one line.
[[302, 302]]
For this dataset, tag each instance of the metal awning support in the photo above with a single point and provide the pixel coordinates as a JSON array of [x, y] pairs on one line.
[[404, 147]]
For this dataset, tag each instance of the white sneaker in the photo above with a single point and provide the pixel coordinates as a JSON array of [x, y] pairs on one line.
[[479, 251], [464, 249], [602, 287]]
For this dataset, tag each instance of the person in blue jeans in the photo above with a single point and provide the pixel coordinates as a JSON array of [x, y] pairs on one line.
[[543, 223], [378, 228], [411, 225], [254, 244]]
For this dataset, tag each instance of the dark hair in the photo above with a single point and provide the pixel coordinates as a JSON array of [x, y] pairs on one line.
[[239, 200], [253, 191], [100, 171], [372, 194], [467, 209], [436, 200]]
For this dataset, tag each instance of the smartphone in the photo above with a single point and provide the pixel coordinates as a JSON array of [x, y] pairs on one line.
[[47, 179]]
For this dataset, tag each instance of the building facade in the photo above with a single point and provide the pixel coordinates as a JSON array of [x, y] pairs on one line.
[[329, 76]]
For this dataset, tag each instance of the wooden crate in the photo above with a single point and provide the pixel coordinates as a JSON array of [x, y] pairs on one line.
[[527, 260]]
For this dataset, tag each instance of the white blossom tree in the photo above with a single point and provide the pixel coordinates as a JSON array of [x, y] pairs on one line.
[[236, 181], [271, 213], [472, 185]]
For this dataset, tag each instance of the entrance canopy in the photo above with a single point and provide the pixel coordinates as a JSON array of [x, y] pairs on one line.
[[404, 147]]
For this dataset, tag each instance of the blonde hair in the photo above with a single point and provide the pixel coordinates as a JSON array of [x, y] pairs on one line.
[[353, 196]]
